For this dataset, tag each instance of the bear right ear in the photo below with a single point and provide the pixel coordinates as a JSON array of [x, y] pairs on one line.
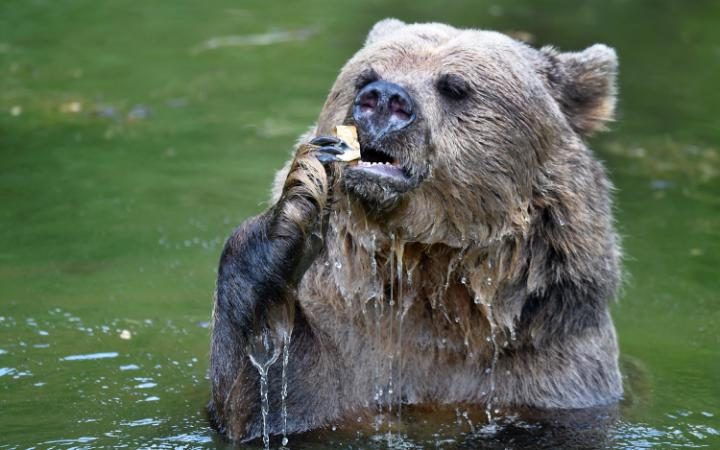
[[583, 83], [383, 28]]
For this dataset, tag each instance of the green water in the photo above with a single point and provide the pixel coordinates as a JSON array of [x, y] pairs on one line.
[[129, 149]]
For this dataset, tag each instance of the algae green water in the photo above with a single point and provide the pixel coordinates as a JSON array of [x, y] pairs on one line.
[[134, 137]]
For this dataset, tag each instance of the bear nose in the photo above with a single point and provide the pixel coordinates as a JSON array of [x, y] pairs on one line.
[[382, 107]]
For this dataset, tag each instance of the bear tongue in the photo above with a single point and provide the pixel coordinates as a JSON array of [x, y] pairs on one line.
[[383, 169]]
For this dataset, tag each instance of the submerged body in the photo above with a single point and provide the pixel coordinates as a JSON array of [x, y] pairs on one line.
[[469, 257]]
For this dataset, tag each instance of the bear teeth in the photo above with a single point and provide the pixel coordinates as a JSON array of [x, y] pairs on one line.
[[367, 163]]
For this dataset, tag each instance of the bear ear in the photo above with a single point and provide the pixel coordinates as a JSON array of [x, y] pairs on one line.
[[584, 85], [383, 28]]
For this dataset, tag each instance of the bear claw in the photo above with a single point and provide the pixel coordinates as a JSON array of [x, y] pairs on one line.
[[329, 147]]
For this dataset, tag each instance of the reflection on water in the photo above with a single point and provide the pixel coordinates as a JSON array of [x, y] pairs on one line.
[[127, 158]]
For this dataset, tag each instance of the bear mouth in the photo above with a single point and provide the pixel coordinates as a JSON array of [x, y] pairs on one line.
[[380, 177], [378, 163]]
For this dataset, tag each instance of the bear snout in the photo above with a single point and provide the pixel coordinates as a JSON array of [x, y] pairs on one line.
[[381, 108]]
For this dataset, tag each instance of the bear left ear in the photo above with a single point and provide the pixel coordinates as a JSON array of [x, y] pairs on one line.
[[584, 85], [383, 28]]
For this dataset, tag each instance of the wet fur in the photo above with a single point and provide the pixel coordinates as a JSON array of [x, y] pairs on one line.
[[509, 237]]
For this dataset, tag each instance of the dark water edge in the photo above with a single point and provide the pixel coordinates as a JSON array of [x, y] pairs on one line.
[[133, 140]]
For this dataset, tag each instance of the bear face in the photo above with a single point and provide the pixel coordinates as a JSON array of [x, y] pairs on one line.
[[488, 113]]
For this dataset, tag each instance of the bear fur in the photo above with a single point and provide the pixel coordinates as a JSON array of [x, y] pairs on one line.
[[484, 279]]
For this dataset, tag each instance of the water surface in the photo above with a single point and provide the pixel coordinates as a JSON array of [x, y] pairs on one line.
[[134, 137]]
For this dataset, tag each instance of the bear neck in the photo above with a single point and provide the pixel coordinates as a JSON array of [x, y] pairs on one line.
[[367, 273]]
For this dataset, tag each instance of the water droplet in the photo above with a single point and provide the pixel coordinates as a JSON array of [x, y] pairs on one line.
[[463, 280], [285, 440], [477, 300], [338, 265]]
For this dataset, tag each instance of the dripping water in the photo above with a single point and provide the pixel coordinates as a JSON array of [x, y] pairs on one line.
[[377, 305], [349, 206], [390, 391], [263, 367], [375, 292], [284, 390], [402, 310], [493, 363], [454, 262]]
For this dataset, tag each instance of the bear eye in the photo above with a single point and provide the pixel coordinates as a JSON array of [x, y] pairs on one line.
[[366, 77], [453, 87]]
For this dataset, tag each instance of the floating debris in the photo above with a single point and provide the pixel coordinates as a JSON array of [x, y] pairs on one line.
[[250, 40], [125, 334], [71, 108]]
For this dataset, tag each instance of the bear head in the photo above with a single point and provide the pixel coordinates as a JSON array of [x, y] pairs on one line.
[[461, 130]]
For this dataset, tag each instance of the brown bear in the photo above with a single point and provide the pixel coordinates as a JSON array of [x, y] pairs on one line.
[[468, 257]]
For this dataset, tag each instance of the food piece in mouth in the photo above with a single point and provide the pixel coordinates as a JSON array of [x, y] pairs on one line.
[[348, 133], [370, 161]]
